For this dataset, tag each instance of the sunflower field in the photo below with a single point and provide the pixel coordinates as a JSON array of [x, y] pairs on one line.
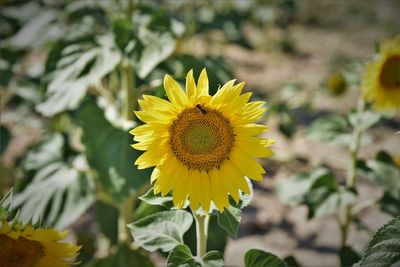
[[203, 133]]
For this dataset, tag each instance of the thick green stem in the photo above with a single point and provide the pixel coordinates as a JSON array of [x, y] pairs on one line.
[[129, 87], [352, 170], [201, 233]]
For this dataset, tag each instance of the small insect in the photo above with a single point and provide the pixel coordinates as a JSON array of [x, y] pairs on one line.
[[201, 109]]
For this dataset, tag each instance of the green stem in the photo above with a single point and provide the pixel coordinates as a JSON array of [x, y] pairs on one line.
[[129, 86], [201, 233], [352, 170]]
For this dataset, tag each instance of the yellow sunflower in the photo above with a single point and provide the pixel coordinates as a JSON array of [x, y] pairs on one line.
[[202, 146], [28, 247], [381, 82]]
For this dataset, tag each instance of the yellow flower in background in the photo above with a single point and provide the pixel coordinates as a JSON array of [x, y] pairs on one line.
[[381, 82], [202, 146], [337, 84], [28, 247]]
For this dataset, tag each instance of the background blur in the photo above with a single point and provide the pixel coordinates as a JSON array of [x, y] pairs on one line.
[[65, 67]]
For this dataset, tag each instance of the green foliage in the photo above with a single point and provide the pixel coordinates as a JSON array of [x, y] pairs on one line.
[[384, 248], [152, 199], [108, 152], [181, 256], [383, 171], [259, 258], [4, 139], [163, 230], [5, 205], [330, 129], [107, 219], [348, 256], [319, 190], [365, 121], [60, 191], [124, 257], [79, 66], [230, 220]]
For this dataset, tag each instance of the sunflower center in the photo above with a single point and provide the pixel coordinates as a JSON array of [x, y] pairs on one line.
[[201, 138], [390, 74], [20, 252]]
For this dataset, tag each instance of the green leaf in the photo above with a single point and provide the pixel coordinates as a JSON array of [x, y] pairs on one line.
[[81, 65], [163, 230], [330, 129], [318, 189], [294, 189], [152, 199], [259, 258], [229, 219], [157, 47], [389, 204], [365, 121], [107, 218], [213, 259], [348, 256], [384, 248], [386, 175], [59, 194], [181, 256], [291, 261], [49, 150], [4, 139], [5, 205], [124, 257], [108, 151]]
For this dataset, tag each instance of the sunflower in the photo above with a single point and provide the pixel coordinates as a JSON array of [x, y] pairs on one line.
[[28, 247], [381, 82], [202, 146]]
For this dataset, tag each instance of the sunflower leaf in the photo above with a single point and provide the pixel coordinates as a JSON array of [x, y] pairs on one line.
[[81, 65], [66, 190], [330, 129], [229, 219], [319, 190], [109, 153], [365, 121], [384, 248], [181, 256], [152, 199], [163, 230], [259, 258]]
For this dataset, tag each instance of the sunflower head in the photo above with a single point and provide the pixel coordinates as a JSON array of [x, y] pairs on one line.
[[27, 247], [381, 82], [202, 146], [337, 84]]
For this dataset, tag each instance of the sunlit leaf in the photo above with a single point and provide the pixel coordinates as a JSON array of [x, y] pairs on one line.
[[181, 256], [58, 195], [82, 64], [163, 230]]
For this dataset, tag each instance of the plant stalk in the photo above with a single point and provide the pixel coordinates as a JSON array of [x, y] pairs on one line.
[[129, 87], [202, 222], [125, 217], [352, 170]]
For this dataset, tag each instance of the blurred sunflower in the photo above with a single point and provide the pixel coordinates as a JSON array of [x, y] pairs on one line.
[[28, 247], [202, 146], [381, 82], [337, 84]]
